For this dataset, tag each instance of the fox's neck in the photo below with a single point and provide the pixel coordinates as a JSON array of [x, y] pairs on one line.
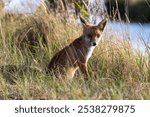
[[80, 45]]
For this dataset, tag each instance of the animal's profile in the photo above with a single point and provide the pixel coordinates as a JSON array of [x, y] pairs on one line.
[[76, 55]]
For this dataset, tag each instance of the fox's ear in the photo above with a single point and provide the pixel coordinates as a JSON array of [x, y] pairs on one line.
[[102, 24], [84, 23]]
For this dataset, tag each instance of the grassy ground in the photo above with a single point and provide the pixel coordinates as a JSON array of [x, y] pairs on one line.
[[117, 71]]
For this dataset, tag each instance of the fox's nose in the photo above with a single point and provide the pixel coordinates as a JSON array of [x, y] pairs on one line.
[[94, 44]]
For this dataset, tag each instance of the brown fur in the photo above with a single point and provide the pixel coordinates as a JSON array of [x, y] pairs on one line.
[[76, 55]]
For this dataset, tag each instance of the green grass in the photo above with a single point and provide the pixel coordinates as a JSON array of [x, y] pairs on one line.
[[117, 71]]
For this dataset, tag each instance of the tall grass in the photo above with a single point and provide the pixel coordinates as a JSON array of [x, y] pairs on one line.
[[116, 70]]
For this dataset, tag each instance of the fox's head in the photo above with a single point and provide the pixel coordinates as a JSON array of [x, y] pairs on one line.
[[92, 33]]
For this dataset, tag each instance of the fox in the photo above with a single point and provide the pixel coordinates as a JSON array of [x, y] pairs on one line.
[[76, 55]]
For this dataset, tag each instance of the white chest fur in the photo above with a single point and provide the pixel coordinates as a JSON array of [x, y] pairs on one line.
[[89, 53]]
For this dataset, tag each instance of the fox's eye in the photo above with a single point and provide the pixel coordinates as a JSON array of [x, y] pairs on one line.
[[98, 35]]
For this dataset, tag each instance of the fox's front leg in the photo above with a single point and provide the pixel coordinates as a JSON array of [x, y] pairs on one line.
[[83, 68]]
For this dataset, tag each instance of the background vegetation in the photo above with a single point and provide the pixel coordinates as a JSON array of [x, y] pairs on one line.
[[117, 71], [136, 10]]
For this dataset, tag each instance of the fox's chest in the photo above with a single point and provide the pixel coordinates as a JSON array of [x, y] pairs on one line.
[[89, 53]]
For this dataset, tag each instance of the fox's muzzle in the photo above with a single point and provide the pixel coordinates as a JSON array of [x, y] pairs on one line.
[[93, 44]]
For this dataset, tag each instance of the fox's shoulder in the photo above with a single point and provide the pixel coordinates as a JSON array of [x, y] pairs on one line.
[[77, 42]]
